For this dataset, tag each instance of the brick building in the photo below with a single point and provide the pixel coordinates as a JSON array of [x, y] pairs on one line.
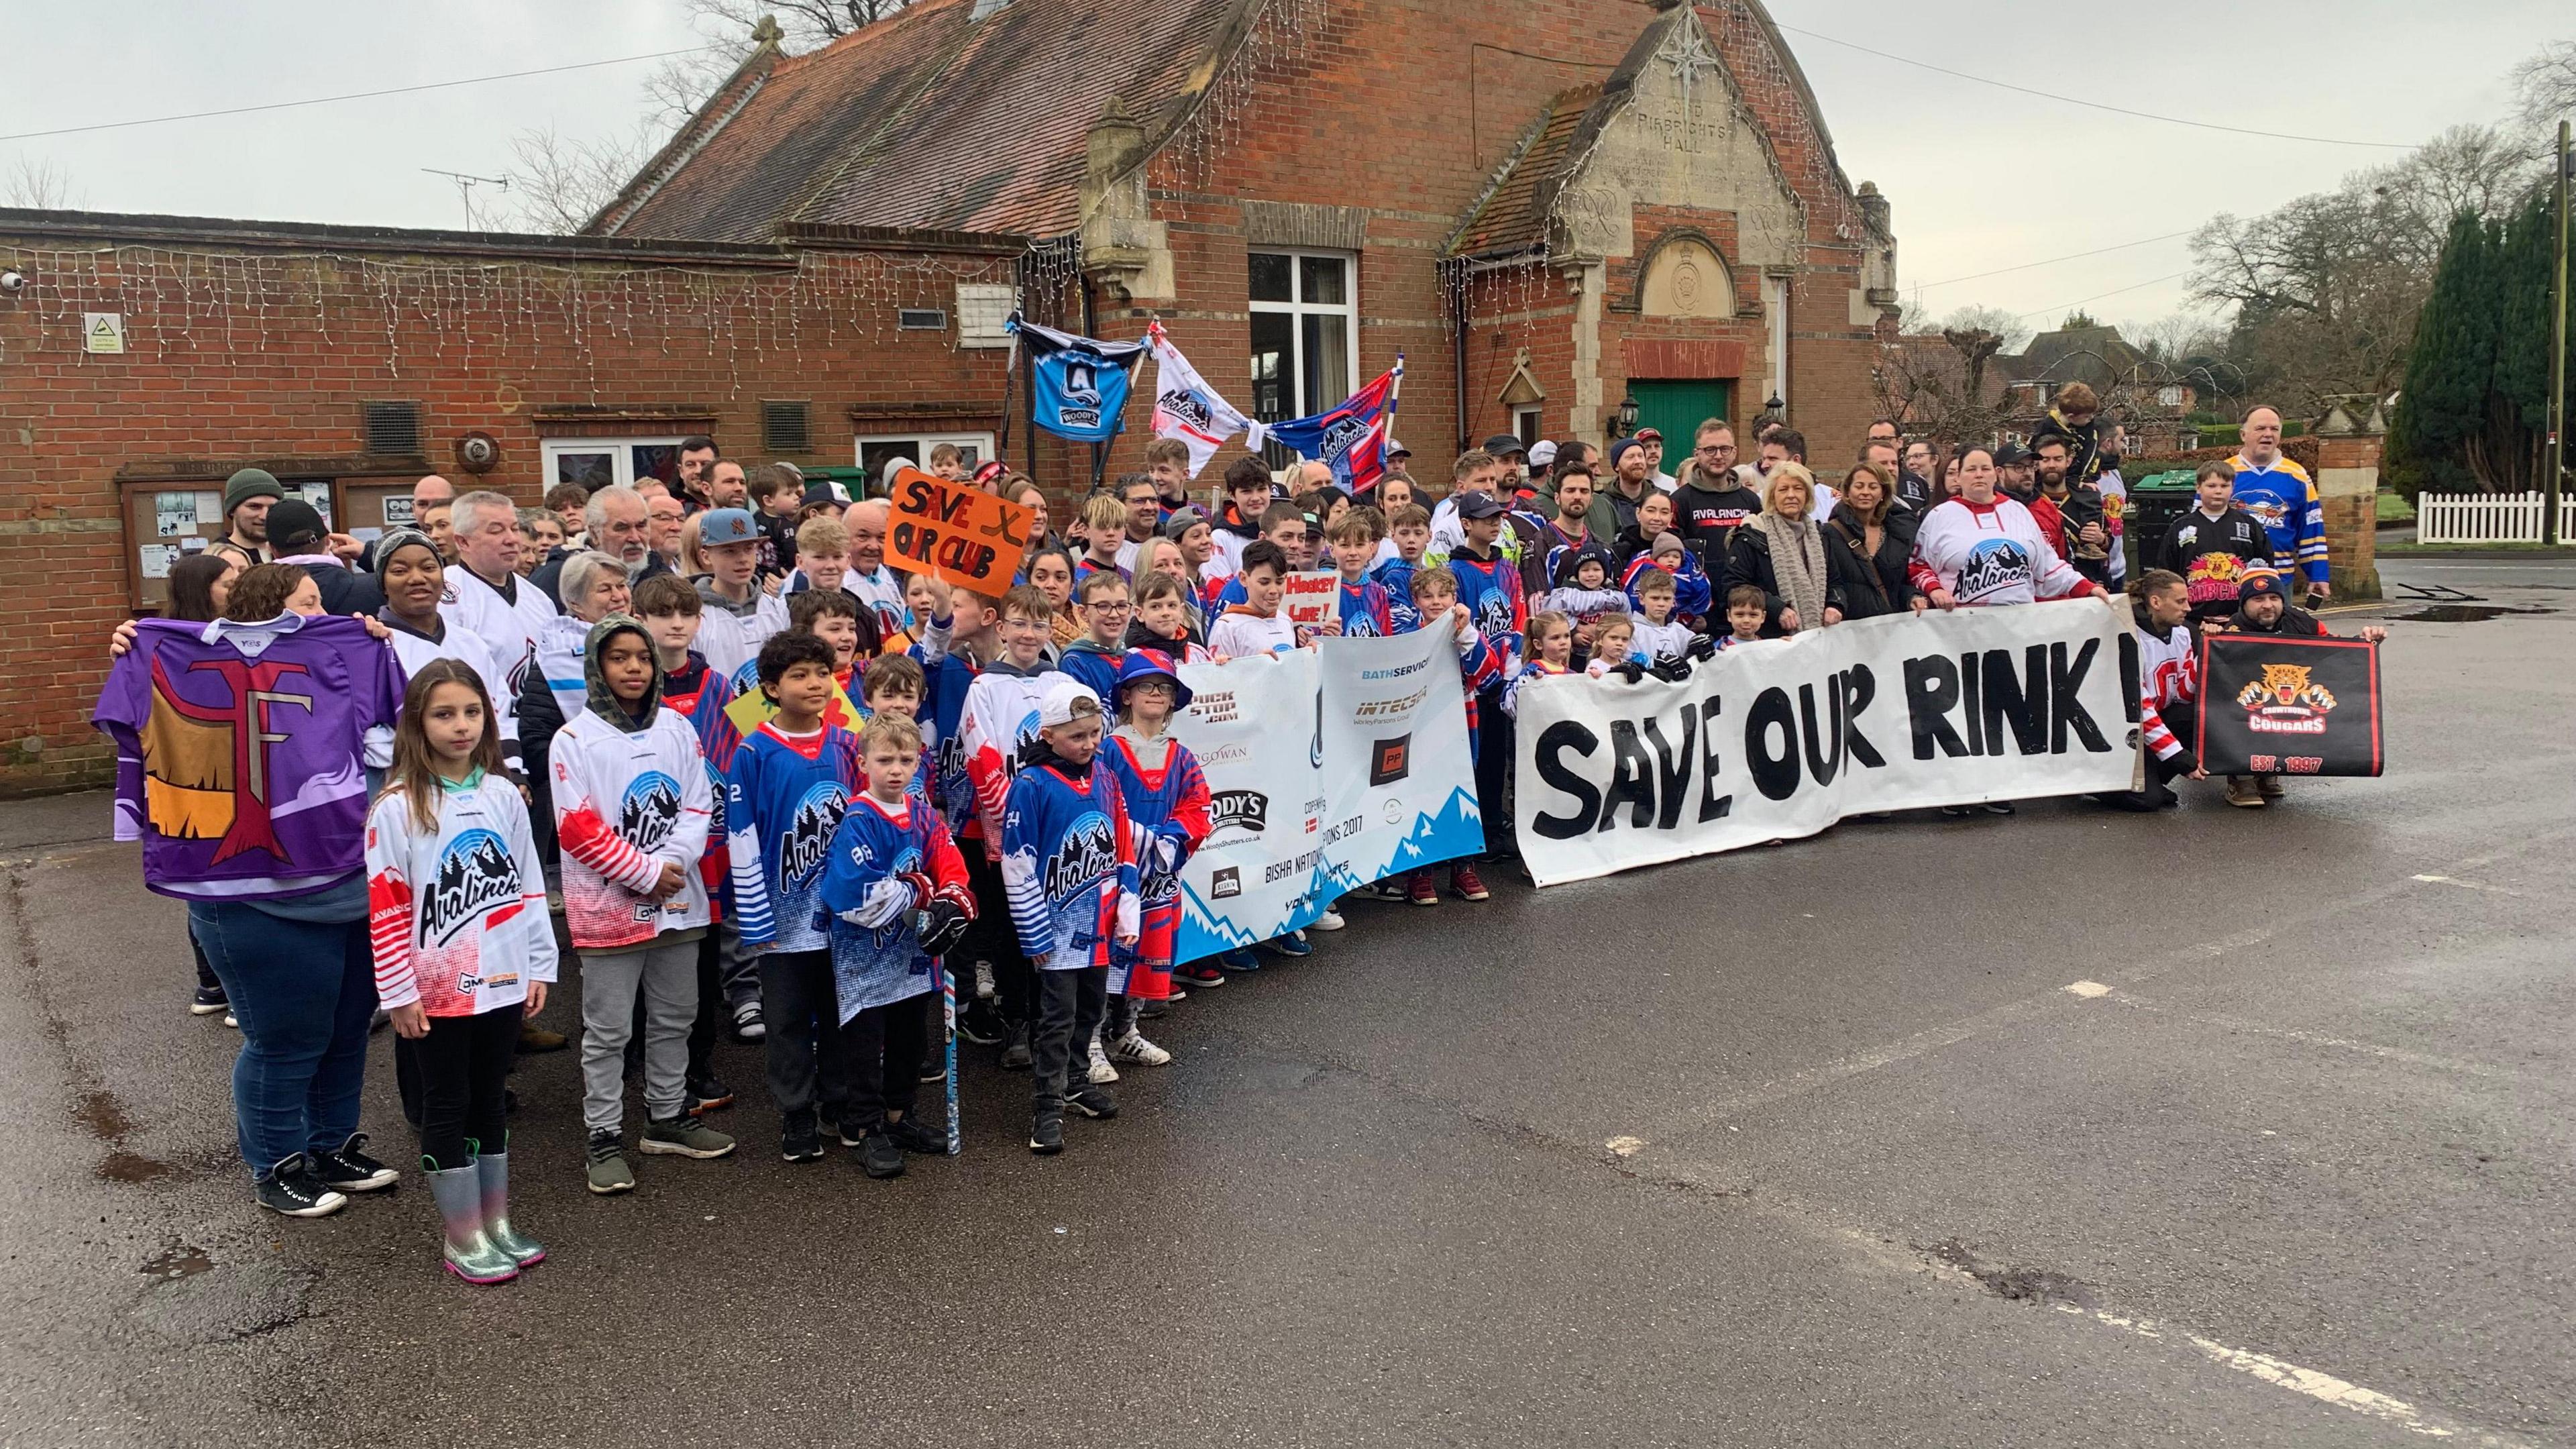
[[1568, 205]]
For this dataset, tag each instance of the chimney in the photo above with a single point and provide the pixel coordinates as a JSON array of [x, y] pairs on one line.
[[1874, 208], [986, 8]]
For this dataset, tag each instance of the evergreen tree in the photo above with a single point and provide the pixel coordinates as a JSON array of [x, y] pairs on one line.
[[2474, 411]]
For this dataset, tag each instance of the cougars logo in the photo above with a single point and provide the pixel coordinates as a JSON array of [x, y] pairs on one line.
[[2286, 702]]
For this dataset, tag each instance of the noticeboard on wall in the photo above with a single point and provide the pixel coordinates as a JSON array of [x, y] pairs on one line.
[[165, 521]]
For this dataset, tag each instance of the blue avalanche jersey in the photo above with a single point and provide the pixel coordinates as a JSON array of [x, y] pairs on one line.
[[784, 799]]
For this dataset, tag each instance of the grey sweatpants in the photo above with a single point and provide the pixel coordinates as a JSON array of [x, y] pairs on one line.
[[667, 975]]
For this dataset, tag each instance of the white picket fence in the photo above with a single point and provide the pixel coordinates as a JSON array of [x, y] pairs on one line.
[[2489, 517]]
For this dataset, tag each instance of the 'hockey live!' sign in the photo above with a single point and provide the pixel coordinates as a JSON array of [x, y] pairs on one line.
[[1780, 739]]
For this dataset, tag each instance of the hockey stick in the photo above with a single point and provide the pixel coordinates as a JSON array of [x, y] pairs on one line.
[[948, 1014]]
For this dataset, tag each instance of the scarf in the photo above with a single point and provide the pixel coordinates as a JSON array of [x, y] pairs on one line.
[[1797, 565]]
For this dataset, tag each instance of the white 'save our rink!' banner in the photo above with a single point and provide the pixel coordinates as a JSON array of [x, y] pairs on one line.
[[1781, 738], [1326, 769]]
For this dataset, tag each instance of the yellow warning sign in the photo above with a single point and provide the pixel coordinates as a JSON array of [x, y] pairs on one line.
[[103, 331]]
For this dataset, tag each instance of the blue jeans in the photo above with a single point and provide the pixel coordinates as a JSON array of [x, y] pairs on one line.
[[305, 993]]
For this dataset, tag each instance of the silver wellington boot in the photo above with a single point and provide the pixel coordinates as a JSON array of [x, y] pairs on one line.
[[469, 1253], [495, 1170]]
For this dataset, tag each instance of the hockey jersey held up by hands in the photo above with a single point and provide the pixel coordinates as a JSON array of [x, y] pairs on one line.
[[1993, 553]]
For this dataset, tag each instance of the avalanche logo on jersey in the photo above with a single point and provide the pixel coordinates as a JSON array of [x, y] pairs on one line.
[[1993, 566], [650, 811], [746, 680], [1494, 615], [1025, 735], [1083, 859], [807, 839], [475, 874]]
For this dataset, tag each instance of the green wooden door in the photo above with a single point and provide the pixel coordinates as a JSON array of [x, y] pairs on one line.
[[1676, 409]]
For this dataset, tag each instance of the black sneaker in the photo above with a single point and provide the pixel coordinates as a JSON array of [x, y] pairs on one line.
[[208, 1001], [981, 1023], [1090, 1101], [879, 1157], [1999, 807], [1015, 1057], [912, 1136], [802, 1141], [294, 1191], [351, 1170], [706, 1094], [1149, 1010], [854, 1135], [935, 1069], [1046, 1135]]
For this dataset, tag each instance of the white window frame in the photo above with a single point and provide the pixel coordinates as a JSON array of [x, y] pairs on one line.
[[1348, 309], [1525, 424], [621, 452], [982, 443]]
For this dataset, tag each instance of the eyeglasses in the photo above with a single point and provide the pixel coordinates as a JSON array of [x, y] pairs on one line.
[[1716, 447]]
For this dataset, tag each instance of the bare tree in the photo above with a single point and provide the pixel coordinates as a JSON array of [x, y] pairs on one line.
[[40, 186], [2546, 87], [1937, 388], [559, 185], [2011, 332], [682, 84]]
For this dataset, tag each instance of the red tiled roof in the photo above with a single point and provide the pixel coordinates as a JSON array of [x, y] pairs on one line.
[[1513, 214], [933, 120]]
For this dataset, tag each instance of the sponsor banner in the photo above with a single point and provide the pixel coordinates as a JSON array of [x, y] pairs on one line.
[[956, 532], [2275, 706], [1327, 769], [1782, 738]]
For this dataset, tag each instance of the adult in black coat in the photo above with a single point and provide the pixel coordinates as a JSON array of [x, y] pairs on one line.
[[1781, 551], [1869, 549]]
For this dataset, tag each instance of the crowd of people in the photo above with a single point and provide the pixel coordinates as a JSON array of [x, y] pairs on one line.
[[781, 791]]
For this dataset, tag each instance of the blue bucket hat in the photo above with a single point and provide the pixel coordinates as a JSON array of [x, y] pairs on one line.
[[1152, 664]]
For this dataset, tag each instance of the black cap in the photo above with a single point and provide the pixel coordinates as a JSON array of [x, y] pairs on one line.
[[1480, 505], [2012, 453], [292, 521], [1504, 445]]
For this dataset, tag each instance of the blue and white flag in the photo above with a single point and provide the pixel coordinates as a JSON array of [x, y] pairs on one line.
[[1077, 385]]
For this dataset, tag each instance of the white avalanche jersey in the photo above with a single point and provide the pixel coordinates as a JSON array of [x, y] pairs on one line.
[[1993, 554], [624, 804], [457, 914]]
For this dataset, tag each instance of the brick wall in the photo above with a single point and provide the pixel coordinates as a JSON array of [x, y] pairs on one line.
[[239, 353]]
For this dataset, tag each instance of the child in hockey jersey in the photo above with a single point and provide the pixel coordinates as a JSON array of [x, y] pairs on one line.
[[960, 632], [1070, 865], [1435, 598], [893, 686], [1256, 626], [1661, 638], [895, 899], [997, 729], [632, 806], [1162, 620], [1409, 537], [1104, 524], [1101, 605], [1551, 644], [784, 797], [1166, 796], [1693, 596], [1364, 608], [1587, 598], [463, 948], [671, 608]]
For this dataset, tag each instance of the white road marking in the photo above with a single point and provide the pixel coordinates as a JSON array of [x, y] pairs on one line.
[[2466, 885], [2317, 1038], [2086, 988], [1625, 1146]]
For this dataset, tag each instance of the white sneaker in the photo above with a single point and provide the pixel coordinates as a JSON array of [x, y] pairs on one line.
[[1330, 920], [984, 980], [1134, 1048], [1102, 1074]]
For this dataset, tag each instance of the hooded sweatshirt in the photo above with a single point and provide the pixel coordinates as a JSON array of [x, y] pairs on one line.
[[630, 793]]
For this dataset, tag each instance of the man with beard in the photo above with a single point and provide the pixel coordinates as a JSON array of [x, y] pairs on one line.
[[1713, 501], [2080, 529], [617, 521], [697, 459], [248, 495]]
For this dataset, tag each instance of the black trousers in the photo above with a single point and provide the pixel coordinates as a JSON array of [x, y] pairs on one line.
[[713, 1013], [883, 1047], [992, 937], [462, 1063], [205, 973], [2183, 718], [1070, 1005], [802, 1007], [1494, 742]]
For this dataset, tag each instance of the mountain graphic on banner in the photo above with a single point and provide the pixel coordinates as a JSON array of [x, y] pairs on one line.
[[1459, 829]]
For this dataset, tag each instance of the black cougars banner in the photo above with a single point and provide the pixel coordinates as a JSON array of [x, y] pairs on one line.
[[2275, 706], [1784, 737]]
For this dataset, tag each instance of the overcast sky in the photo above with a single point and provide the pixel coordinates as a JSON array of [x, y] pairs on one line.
[[1980, 178]]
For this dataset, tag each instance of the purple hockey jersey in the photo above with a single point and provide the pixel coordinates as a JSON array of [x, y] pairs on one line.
[[240, 751]]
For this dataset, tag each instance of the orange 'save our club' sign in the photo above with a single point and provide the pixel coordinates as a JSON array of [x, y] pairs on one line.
[[962, 535]]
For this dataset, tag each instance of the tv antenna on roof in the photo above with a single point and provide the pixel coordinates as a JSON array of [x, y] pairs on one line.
[[465, 185]]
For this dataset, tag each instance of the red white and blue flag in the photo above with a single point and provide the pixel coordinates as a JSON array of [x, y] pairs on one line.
[[1351, 435]]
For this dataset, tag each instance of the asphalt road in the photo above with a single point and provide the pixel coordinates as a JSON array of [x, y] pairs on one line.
[[1799, 1146]]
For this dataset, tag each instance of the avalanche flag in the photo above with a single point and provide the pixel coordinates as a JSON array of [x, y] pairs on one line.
[[1077, 385], [1352, 435], [1185, 407]]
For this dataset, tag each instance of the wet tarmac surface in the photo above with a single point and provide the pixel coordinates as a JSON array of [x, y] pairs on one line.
[[2213, 1127]]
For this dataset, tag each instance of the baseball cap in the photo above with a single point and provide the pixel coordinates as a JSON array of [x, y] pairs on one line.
[[720, 526], [824, 492], [990, 469], [1064, 699], [292, 521], [1182, 521], [1504, 445], [1395, 449], [1542, 453], [1152, 664], [1480, 505], [2012, 453], [1650, 435]]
